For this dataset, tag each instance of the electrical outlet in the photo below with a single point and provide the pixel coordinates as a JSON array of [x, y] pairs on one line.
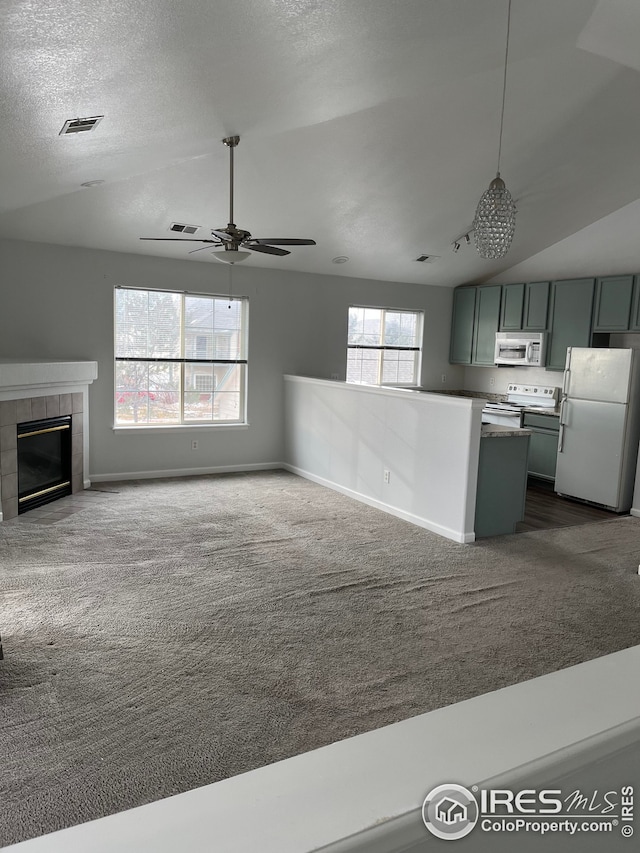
[[492, 381], [194, 444], [387, 475], [443, 377]]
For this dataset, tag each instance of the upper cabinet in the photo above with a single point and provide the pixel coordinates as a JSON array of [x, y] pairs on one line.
[[511, 309], [524, 307], [536, 306], [635, 307], [486, 324], [475, 321], [464, 306], [579, 312], [612, 304], [569, 318]]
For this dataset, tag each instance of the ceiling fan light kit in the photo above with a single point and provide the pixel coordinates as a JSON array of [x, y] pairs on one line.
[[232, 238], [494, 223], [231, 256]]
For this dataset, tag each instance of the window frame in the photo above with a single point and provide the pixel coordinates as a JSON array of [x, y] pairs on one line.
[[184, 361], [417, 350]]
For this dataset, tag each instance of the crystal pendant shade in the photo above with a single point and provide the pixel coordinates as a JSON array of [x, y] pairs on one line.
[[495, 221]]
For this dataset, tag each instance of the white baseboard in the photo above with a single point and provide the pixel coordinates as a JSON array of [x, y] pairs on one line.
[[184, 472], [634, 511], [447, 532]]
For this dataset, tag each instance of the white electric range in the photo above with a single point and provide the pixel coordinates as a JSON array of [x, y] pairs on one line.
[[519, 397]]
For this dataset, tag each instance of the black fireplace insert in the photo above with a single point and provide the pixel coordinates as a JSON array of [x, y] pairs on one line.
[[44, 461]]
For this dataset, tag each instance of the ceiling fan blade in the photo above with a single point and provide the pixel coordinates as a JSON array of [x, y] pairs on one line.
[[181, 240], [268, 250], [280, 241], [222, 235]]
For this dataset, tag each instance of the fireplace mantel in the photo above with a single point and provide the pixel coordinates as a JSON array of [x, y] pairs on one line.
[[37, 388], [20, 378]]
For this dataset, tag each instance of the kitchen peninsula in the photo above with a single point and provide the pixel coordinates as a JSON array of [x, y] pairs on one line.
[[421, 456]]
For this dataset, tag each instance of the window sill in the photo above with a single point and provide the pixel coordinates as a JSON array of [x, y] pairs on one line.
[[152, 428]]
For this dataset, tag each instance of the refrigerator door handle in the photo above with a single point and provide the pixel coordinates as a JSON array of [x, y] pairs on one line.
[[562, 406], [561, 438], [565, 381]]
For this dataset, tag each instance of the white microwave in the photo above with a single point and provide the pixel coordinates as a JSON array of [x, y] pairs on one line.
[[520, 348]]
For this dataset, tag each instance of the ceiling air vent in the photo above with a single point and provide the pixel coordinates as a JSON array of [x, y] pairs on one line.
[[428, 259], [181, 228], [79, 125]]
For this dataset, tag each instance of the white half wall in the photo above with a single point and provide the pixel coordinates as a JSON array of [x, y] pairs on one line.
[[345, 436]]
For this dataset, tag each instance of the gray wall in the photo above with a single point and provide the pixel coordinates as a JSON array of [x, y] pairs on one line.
[[57, 302]]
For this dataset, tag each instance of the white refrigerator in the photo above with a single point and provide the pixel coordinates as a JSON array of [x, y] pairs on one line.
[[599, 426]]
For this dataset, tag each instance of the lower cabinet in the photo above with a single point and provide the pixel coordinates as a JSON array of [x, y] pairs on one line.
[[543, 445], [502, 484]]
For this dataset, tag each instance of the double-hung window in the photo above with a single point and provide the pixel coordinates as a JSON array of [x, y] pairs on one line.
[[180, 358], [384, 346]]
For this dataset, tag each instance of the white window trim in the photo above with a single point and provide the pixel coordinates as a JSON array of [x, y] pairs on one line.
[[189, 425]]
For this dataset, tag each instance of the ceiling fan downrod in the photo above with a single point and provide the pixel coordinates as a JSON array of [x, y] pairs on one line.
[[231, 142]]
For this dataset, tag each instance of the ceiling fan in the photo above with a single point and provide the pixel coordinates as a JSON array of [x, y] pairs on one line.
[[231, 237]]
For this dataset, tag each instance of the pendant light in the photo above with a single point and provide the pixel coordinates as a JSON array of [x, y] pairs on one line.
[[495, 220]]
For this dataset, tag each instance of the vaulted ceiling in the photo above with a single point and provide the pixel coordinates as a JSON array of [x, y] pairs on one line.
[[368, 125]]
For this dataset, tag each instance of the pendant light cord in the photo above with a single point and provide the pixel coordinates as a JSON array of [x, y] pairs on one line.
[[504, 84]]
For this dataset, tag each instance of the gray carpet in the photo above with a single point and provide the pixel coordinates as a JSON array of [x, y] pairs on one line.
[[177, 632]]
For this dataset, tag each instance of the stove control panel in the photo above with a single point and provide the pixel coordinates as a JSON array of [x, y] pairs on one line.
[[533, 390]]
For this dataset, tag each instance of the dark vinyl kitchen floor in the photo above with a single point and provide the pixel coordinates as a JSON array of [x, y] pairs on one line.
[[545, 510]]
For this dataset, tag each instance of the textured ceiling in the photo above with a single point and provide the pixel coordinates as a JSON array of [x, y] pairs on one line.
[[368, 125]]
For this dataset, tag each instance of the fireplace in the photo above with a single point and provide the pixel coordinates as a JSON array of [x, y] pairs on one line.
[[47, 399], [44, 461]]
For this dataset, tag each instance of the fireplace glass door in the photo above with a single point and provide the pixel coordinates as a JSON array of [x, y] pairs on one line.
[[44, 461]]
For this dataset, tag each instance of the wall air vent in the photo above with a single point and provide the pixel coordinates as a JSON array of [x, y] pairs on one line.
[[428, 259], [181, 228], [80, 125]]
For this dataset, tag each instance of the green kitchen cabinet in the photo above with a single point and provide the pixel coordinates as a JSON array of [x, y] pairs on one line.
[[487, 320], [612, 303], [536, 306], [475, 321], [511, 307], [543, 447], [502, 484], [569, 318], [635, 307], [462, 325]]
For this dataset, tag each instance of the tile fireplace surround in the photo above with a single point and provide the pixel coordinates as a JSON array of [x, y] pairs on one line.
[[31, 390]]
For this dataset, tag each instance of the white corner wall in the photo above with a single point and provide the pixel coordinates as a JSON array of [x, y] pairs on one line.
[[344, 436], [56, 303]]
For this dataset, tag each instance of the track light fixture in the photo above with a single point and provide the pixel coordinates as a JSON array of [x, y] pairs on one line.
[[463, 238]]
